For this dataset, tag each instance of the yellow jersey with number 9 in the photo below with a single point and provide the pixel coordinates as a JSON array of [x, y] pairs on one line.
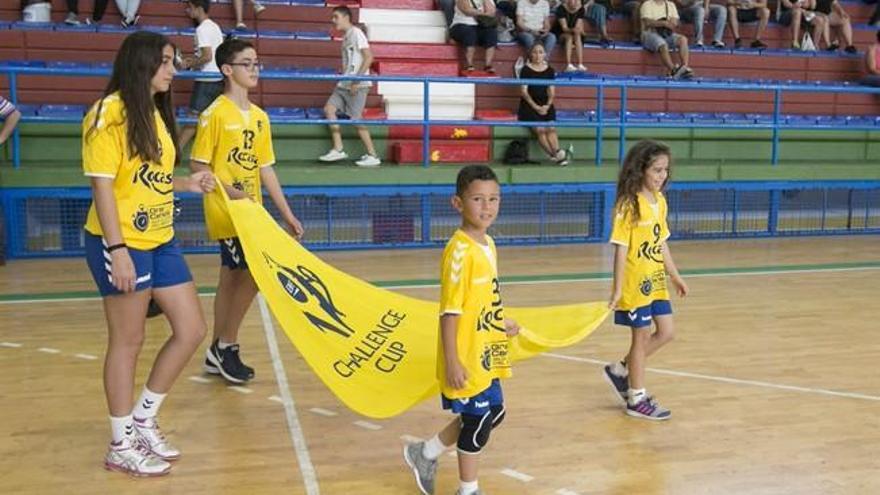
[[469, 288], [236, 144], [644, 278], [144, 191]]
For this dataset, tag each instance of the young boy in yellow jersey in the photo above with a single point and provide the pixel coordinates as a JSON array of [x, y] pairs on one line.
[[473, 349], [642, 267], [235, 142]]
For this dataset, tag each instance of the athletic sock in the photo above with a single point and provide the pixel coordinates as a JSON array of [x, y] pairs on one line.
[[148, 405], [223, 345], [433, 448], [636, 395], [121, 427], [469, 487], [619, 368]]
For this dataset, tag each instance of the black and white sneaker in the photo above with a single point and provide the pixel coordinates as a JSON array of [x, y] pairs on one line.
[[227, 363]]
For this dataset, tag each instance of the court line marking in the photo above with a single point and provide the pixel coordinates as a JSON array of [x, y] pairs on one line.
[[367, 425], [513, 473], [566, 491], [11, 345], [519, 280], [300, 447], [87, 357], [49, 350], [734, 381], [275, 398], [320, 411], [199, 379], [240, 389]]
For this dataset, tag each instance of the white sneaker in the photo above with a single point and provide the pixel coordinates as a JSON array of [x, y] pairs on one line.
[[258, 8], [700, 44], [518, 66], [128, 457], [152, 438], [368, 161], [570, 68], [333, 155], [71, 19], [581, 68]]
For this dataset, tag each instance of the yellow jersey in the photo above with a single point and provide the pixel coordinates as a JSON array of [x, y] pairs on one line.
[[235, 144], [144, 191], [469, 288], [644, 278]]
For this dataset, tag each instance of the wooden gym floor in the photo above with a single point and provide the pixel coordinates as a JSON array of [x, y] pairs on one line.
[[772, 380]]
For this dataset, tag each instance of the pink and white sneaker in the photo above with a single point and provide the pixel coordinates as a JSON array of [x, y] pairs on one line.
[[131, 458], [151, 438]]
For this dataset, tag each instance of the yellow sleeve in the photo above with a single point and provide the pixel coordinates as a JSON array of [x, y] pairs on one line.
[[664, 226], [264, 150], [621, 232], [206, 140], [455, 274], [103, 145]]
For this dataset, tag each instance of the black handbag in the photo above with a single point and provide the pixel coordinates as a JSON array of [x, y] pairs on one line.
[[483, 20]]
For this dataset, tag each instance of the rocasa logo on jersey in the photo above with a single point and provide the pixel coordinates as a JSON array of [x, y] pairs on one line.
[[653, 253], [306, 287], [243, 158], [154, 178]]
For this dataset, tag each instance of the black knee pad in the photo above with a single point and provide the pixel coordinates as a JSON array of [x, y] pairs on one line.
[[475, 432], [498, 415]]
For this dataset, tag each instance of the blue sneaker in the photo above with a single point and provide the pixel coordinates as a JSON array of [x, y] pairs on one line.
[[620, 384], [648, 408]]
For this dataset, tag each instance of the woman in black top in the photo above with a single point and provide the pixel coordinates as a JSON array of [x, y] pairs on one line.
[[840, 21], [536, 103], [569, 27]]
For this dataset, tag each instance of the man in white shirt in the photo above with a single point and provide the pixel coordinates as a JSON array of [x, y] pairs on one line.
[[659, 22], [350, 97], [205, 89], [533, 25]]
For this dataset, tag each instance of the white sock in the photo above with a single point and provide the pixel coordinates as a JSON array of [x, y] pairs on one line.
[[433, 448], [148, 405], [636, 395], [468, 487], [223, 345], [619, 369], [121, 428]]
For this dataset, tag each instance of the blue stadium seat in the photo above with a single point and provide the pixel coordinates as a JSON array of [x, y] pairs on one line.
[[677, 118], [735, 118], [112, 28], [314, 113], [167, 30], [62, 112], [570, 115], [283, 113], [312, 35], [319, 3], [81, 28], [760, 118], [24, 63], [30, 110], [277, 35], [32, 26], [68, 65], [800, 120], [5, 24], [704, 118]]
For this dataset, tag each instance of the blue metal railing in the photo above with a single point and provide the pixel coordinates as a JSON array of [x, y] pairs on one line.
[[601, 85]]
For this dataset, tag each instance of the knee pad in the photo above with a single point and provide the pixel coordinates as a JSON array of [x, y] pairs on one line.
[[498, 415], [474, 433]]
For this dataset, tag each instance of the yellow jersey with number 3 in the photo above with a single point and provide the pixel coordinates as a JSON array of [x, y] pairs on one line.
[[235, 144], [644, 278], [469, 288], [144, 191]]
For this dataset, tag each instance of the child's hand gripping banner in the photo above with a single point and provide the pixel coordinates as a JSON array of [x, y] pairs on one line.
[[375, 349]]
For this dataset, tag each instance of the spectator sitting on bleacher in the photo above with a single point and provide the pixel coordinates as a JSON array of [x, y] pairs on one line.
[[471, 26], [569, 27], [10, 116], [748, 11], [798, 14], [632, 9], [536, 103], [596, 13], [533, 25], [837, 18], [350, 97], [659, 22], [695, 12], [73, 12], [207, 38], [238, 8], [872, 65], [128, 9]]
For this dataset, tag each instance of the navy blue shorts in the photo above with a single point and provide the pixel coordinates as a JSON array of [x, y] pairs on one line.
[[162, 266], [479, 404], [232, 255], [644, 316]]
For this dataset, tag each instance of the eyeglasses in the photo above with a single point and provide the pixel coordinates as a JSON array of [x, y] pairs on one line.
[[250, 66]]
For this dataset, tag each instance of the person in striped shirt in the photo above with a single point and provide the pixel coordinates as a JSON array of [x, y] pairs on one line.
[[10, 116]]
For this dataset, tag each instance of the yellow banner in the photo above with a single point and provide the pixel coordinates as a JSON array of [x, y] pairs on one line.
[[375, 349]]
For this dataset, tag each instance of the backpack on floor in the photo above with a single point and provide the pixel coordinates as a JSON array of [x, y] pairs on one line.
[[517, 153]]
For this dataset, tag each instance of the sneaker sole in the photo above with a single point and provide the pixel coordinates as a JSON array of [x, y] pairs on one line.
[[620, 400], [334, 160], [636, 414], [229, 378], [414, 470], [121, 469]]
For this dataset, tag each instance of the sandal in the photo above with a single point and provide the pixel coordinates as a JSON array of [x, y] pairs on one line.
[[469, 68], [489, 69]]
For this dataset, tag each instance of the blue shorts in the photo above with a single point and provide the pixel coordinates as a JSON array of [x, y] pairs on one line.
[[479, 404], [644, 316], [232, 255], [162, 266]]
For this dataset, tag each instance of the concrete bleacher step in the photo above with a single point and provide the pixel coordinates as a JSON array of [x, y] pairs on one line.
[[441, 132], [404, 26], [415, 51], [416, 68], [442, 151]]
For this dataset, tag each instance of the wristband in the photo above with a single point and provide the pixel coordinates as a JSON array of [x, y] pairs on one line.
[[114, 247]]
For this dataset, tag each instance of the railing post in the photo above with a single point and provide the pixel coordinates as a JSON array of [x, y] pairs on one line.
[[16, 134], [600, 117], [426, 218], [621, 140], [426, 123], [777, 109]]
